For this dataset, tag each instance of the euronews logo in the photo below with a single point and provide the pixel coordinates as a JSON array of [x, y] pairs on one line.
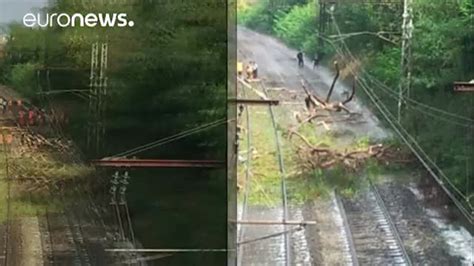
[[90, 20]]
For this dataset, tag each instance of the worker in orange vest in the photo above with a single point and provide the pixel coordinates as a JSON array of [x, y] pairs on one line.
[[21, 118], [31, 117], [240, 68]]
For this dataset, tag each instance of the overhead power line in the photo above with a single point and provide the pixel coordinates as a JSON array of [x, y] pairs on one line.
[[409, 140], [172, 138], [385, 87], [420, 104], [362, 79]]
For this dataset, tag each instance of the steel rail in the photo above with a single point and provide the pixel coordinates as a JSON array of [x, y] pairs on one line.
[[298, 228], [159, 163], [283, 179], [8, 222], [388, 218], [347, 230], [246, 186]]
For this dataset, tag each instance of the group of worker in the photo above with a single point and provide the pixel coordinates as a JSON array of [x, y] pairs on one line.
[[251, 70], [26, 116], [5, 104], [31, 117], [300, 58]]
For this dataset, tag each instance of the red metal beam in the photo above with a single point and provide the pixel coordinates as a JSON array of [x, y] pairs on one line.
[[255, 101], [157, 163], [464, 86]]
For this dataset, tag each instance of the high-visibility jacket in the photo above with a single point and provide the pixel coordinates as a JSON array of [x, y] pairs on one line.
[[240, 67], [31, 117], [21, 118]]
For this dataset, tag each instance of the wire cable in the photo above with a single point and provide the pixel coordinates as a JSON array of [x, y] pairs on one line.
[[411, 137], [172, 138], [383, 86], [399, 128]]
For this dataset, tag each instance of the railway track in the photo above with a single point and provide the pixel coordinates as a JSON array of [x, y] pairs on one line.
[[64, 241], [372, 235], [6, 228], [74, 236], [277, 249], [375, 238], [46, 238], [241, 230], [287, 237], [69, 237], [350, 257]]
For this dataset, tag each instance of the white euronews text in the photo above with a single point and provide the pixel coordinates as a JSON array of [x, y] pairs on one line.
[[77, 20]]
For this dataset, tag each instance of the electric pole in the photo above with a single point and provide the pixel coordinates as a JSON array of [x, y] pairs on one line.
[[92, 95], [405, 62], [101, 98], [97, 93], [321, 24]]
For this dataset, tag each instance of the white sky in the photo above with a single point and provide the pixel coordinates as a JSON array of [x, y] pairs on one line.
[[14, 10]]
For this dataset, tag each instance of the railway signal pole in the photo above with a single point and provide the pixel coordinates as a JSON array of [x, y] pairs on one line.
[[97, 94], [405, 63]]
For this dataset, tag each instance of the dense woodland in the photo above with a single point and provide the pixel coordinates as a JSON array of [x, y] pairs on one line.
[[443, 52]]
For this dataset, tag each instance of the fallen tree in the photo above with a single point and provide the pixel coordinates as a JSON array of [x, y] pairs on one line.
[[323, 157], [323, 110], [38, 163]]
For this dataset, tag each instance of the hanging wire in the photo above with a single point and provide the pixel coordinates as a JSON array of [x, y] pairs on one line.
[[405, 136], [172, 138]]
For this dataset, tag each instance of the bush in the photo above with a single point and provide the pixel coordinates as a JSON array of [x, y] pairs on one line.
[[23, 79], [259, 17], [297, 28]]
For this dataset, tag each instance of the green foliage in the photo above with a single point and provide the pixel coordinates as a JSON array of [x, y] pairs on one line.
[[259, 17], [297, 26], [22, 78], [389, 58], [308, 187]]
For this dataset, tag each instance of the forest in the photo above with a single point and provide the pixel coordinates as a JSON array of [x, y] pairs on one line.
[[366, 39]]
